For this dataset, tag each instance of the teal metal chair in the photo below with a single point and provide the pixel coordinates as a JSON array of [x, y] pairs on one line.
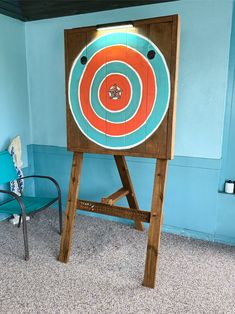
[[24, 205]]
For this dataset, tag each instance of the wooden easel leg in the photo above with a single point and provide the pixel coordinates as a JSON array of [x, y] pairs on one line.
[[67, 235], [155, 223], [126, 181]]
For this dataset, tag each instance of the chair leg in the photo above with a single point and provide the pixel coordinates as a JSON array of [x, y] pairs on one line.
[[60, 215], [26, 246], [19, 222]]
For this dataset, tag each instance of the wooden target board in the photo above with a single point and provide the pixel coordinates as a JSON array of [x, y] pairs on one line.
[[121, 89]]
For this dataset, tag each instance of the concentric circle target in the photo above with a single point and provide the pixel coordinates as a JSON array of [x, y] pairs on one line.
[[120, 95]]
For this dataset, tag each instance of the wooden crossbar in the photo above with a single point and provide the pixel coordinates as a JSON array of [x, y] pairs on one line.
[[113, 198], [118, 211]]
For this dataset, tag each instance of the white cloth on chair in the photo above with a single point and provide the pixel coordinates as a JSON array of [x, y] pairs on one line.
[[15, 151], [16, 186]]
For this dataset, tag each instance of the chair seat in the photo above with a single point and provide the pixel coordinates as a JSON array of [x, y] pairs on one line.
[[32, 204]]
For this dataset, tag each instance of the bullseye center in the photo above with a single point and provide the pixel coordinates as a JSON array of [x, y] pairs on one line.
[[115, 92]]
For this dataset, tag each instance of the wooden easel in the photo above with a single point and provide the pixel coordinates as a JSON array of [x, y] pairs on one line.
[[164, 32], [107, 207]]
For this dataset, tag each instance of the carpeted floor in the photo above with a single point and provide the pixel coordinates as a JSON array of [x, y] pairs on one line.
[[105, 272]]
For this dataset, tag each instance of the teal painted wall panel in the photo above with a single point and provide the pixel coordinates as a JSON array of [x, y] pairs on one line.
[[226, 203], [228, 162], [203, 70], [191, 198], [226, 215], [14, 106], [191, 194]]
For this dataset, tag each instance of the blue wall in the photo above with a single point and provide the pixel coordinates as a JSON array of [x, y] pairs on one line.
[[228, 169], [14, 106], [226, 202], [193, 205]]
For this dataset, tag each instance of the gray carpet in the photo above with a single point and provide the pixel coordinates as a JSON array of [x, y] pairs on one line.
[[105, 272]]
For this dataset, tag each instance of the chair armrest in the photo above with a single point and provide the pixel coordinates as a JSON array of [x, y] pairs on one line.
[[44, 177], [17, 197]]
